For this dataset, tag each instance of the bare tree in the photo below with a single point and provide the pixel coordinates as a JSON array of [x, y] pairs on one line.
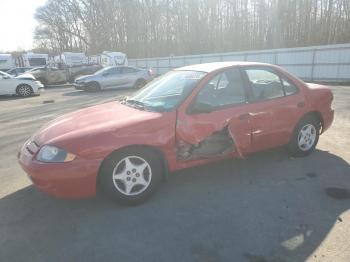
[[148, 28]]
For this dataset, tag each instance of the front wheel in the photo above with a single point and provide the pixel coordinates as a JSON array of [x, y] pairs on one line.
[[131, 176], [305, 137], [24, 90], [94, 86]]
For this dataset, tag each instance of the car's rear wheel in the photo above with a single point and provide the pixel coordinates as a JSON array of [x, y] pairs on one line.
[[130, 176], [24, 90], [140, 83], [305, 137]]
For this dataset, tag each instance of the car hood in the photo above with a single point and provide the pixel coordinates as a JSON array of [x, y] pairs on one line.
[[25, 77], [108, 117]]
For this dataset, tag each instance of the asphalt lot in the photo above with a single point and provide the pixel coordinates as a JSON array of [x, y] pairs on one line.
[[267, 208]]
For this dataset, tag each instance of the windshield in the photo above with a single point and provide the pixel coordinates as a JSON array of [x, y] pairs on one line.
[[103, 70], [167, 92]]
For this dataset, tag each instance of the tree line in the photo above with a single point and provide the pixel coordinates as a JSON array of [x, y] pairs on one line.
[[150, 28]]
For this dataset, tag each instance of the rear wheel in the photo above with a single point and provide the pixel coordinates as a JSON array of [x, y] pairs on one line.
[[24, 90], [305, 137], [130, 176], [140, 83]]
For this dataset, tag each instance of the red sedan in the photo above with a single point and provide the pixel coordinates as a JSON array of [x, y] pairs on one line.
[[190, 116]]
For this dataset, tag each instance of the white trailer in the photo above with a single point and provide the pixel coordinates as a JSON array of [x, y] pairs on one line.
[[71, 59], [34, 60], [6, 62], [113, 59], [94, 60]]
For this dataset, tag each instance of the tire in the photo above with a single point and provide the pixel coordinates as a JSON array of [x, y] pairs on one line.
[[94, 86], [140, 83], [305, 137], [24, 90], [124, 181]]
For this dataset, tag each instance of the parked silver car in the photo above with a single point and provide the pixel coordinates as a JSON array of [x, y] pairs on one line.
[[114, 77]]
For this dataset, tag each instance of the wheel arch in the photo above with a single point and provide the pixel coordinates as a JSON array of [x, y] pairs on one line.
[[154, 150], [314, 114], [93, 82], [23, 84], [140, 79]]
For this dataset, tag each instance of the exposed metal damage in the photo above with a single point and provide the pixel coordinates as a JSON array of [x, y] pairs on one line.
[[218, 143]]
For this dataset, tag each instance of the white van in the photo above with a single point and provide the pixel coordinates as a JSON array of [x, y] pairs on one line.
[[113, 59], [6, 62]]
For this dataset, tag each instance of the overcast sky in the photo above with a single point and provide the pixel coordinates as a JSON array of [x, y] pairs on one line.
[[17, 23]]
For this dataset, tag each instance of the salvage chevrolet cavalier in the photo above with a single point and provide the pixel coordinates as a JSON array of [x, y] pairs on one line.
[[190, 116]]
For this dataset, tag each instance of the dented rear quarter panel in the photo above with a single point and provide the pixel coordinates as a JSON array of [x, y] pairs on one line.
[[320, 98]]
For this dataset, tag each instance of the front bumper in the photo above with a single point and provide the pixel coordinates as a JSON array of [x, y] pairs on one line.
[[328, 118], [80, 86], [39, 86], [76, 179]]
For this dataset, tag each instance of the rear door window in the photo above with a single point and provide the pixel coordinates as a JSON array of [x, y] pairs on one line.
[[289, 87], [128, 70], [264, 83], [114, 71]]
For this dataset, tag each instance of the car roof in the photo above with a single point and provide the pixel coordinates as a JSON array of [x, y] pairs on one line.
[[210, 67]]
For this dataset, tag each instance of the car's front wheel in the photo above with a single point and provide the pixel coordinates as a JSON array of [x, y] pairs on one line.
[[94, 86], [24, 90], [130, 176], [305, 137]]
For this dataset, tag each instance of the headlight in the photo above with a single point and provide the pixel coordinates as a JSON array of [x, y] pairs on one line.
[[52, 154]]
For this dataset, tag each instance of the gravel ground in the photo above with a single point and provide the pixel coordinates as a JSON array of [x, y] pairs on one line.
[[267, 208]]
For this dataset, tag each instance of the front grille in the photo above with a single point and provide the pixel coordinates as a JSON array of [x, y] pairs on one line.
[[32, 147]]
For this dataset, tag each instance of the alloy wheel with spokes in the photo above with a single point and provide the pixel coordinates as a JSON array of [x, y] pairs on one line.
[[306, 137], [132, 175], [24, 90]]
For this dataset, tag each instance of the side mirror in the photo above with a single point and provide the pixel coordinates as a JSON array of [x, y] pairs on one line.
[[6, 77], [201, 108], [105, 74]]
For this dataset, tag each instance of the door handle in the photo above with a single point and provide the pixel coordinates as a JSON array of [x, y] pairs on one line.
[[301, 104], [244, 116]]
